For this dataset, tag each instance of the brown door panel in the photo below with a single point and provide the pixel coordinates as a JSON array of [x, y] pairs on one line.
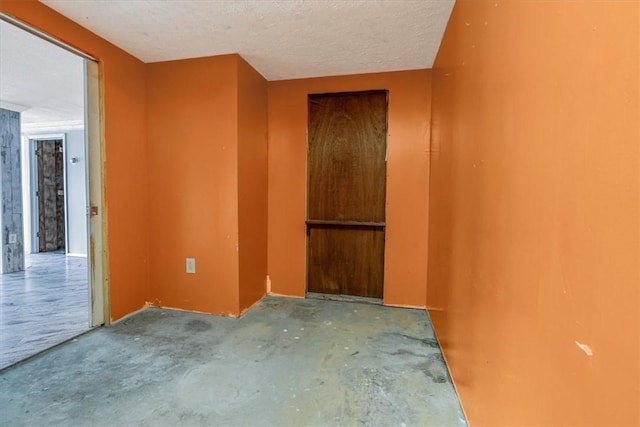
[[346, 260], [346, 179], [347, 149]]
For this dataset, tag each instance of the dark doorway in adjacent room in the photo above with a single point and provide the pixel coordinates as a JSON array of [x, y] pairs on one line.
[[50, 195]]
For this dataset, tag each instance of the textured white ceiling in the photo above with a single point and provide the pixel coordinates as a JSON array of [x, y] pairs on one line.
[[43, 81], [282, 39]]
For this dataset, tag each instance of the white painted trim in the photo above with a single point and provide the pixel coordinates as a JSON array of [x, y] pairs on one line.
[[53, 127], [75, 255], [46, 136], [66, 192], [33, 184], [13, 107]]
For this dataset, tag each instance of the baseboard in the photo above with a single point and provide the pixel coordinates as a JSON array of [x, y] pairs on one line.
[[126, 316], [446, 363], [242, 312], [344, 298], [275, 294], [418, 307], [184, 310], [77, 255]]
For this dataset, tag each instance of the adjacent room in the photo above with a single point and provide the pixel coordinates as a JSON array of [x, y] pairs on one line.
[[44, 286], [393, 212]]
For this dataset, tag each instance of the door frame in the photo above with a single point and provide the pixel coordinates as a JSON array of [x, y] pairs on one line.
[[33, 182], [386, 160], [97, 247], [97, 213]]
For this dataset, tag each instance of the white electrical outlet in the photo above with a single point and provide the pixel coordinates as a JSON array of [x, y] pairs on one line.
[[13, 238], [191, 265]]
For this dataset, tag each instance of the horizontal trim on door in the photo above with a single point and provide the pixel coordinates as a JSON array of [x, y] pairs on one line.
[[344, 223]]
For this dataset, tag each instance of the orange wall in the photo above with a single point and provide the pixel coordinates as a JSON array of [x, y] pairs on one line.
[[407, 180], [252, 183], [534, 230], [126, 151], [193, 182]]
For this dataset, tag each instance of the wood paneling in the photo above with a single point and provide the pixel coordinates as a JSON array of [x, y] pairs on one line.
[[346, 260], [346, 196], [347, 147], [50, 195]]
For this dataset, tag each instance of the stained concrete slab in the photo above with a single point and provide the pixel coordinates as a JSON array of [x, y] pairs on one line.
[[297, 362]]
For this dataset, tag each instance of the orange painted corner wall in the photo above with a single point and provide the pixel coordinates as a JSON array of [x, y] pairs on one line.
[[252, 184], [409, 114], [126, 151], [534, 211], [192, 108]]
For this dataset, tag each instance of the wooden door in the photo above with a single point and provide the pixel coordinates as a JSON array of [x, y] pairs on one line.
[[50, 194], [346, 163]]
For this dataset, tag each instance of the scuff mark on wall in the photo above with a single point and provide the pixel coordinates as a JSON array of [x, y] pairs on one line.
[[587, 350]]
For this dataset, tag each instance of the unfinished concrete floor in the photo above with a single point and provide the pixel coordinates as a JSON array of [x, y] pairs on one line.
[[286, 362]]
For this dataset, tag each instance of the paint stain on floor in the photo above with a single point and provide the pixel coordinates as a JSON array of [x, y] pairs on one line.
[[286, 362]]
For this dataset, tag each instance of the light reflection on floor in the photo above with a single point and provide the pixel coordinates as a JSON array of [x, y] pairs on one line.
[[42, 306]]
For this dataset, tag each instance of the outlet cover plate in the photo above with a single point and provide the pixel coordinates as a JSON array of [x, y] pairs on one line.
[[191, 265]]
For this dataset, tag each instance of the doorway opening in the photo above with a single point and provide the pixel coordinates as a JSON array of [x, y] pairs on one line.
[[49, 195], [346, 192], [53, 284]]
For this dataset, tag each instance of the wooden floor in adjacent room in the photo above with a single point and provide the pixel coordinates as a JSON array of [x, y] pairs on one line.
[[44, 305]]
